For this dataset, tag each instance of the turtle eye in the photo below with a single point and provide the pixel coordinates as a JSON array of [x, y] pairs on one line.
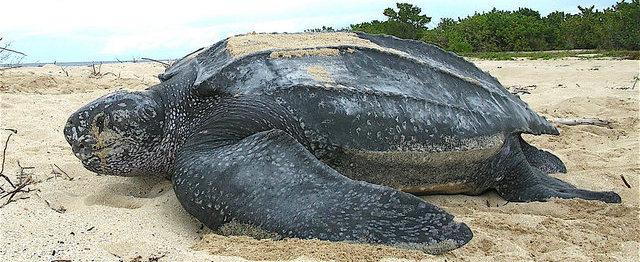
[[99, 122]]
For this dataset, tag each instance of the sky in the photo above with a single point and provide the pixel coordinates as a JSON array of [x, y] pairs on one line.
[[84, 31]]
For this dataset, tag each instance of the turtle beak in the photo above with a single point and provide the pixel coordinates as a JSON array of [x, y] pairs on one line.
[[77, 135]]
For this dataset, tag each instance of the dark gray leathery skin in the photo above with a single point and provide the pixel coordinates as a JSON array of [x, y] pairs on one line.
[[520, 182], [378, 101], [543, 160], [271, 181]]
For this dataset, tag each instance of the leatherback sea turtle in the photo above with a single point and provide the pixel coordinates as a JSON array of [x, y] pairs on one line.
[[325, 136]]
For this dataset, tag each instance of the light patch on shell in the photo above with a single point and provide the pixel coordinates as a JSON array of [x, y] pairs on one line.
[[320, 74], [253, 43], [472, 80], [304, 52]]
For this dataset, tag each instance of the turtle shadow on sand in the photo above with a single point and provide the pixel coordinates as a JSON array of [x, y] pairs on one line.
[[318, 135], [129, 194]]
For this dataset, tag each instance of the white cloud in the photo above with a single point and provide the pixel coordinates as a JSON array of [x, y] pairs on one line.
[[50, 17], [194, 37], [136, 26], [153, 40]]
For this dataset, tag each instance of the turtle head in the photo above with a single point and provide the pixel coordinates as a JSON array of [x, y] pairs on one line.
[[118, 134]]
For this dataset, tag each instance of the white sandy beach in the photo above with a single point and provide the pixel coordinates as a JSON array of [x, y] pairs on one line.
[[89, 217]]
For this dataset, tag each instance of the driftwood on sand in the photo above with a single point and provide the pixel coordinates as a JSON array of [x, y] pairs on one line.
[[165, 64], [581, 121]]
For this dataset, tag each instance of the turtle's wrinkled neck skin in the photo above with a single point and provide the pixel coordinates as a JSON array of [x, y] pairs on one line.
[[183, 112]]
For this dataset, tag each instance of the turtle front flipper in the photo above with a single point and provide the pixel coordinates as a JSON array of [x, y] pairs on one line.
[[269, 180], [522, 182]]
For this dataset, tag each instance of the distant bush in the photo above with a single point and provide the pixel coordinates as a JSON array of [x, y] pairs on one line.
[[405, 23], [614, 28]]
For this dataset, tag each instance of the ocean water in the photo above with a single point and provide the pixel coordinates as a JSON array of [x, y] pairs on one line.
[[88, 63]]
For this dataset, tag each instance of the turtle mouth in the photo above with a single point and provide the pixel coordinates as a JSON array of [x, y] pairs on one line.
[[100, 148], [92, 163]]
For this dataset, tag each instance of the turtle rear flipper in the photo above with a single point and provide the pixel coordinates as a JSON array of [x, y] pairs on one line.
[[522, 182], [541, 159], [533, 185], [269, 180]]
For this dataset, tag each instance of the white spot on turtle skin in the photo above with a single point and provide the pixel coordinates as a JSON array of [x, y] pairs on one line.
[[347, 106]]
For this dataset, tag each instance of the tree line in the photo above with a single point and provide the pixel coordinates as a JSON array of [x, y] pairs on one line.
[[614, 28]]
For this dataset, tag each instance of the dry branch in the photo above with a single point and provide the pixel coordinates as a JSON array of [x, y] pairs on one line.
[[20, 187], [95, 72], [60, 210], [65, 71], [199, 49], [515, 92], [517, 89], [24, 179], [109, 73], [59, 171], [165, 64], [4, 151], [13, 51], [23, 168], [625, 181], [581, 121], [6, 54]]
